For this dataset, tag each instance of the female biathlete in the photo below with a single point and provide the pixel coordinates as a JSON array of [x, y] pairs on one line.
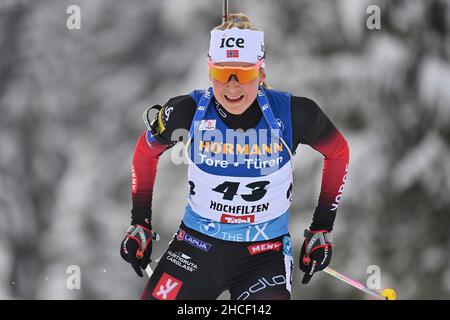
[[241, 138]]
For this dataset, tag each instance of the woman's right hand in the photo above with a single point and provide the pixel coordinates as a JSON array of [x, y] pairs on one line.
[[136, 247]]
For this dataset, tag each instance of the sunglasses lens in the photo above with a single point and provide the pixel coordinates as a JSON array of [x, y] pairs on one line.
[[224, 74], [221, 75], [247, 75]]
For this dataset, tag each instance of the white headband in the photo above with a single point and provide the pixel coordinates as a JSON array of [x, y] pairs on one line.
[[241, 45]]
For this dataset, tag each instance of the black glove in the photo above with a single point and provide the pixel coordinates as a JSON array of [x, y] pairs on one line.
[[136, 247], [316, 253]]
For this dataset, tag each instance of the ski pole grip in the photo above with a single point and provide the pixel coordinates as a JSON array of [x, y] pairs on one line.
[[155, 236]]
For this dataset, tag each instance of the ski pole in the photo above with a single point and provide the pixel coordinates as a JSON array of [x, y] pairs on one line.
[[387, 294], [149, 270]]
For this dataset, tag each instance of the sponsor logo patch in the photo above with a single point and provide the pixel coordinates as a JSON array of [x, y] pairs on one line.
[[228, 218], [182, 260], [262, 284], [264, 247], [287, 246], [133, 180], [209, 227], [167, 112], [167, 288], [186, 237], [207, 125]]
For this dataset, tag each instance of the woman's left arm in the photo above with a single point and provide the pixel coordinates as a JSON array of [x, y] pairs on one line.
[[312, 127]]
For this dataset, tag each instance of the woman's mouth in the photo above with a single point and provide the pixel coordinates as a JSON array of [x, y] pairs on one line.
[[234, 99]]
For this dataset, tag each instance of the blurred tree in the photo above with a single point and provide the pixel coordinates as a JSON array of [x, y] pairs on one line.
[[71, 104]]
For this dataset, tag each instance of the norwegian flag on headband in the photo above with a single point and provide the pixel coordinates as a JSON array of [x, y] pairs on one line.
[[232, 53]]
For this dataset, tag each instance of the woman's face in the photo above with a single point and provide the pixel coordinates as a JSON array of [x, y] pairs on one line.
[[236, 97]]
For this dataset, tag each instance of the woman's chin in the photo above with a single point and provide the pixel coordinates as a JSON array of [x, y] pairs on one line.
[[235, 109]]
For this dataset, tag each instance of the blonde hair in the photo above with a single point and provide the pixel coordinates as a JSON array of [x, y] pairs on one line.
[[237, 20], [241, 21]]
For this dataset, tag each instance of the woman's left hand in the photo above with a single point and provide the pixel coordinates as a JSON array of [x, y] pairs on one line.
[[316, 253]]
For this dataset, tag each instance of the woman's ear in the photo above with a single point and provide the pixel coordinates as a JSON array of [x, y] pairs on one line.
[[262, 76]]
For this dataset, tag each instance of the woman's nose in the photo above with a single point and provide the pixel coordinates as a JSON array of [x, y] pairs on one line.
[[233, 81], [233, 77]]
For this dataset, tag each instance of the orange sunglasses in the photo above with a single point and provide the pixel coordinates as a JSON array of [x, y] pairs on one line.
[[243, 74]]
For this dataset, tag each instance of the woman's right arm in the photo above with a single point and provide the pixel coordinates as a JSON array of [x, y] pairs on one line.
[[177, 113]]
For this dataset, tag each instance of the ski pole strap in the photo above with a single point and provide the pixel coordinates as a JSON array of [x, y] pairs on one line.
[[323, 238], [153, 131], [146, 117]]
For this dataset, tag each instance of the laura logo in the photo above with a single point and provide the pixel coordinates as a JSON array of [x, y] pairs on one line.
[[167, 288], [228, 218], [264, 247]]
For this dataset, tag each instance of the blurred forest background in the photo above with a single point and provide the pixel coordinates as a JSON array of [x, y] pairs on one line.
[[71, 104]]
